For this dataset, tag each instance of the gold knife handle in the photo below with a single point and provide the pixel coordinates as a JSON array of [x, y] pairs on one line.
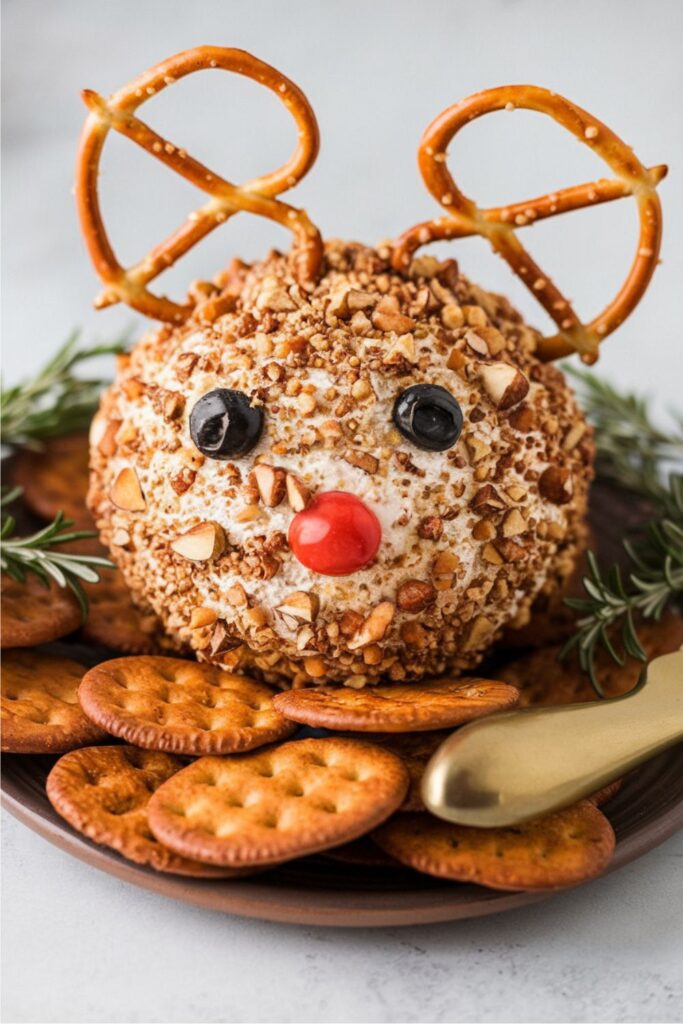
[[521, 764]]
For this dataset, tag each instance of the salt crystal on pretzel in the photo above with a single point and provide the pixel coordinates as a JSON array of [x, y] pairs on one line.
[[497, 225]]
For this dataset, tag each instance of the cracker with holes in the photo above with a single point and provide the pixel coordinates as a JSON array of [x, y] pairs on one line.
[[114, 621], [552, 852], [181, 706], [103, 792], [33, 614], [55, 479], [274, 805], [40, 709], [441, 704]]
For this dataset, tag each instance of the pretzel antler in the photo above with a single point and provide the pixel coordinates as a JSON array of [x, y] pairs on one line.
[[256, 196], [464, 217]]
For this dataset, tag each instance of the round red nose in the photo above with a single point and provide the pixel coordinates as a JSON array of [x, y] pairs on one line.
[[336, 535]]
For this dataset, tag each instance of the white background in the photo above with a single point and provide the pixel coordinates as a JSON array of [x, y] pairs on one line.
[[81, 946]]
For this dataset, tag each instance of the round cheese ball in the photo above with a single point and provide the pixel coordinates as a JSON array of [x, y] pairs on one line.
[[369, 480]]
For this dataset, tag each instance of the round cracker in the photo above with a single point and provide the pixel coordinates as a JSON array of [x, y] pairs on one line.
[[181, 706], [441, 704], [607, 793], [33, 614], [552, 852], [415, 749], [40, 709], [114, 621], [277, 804], [55, 479], [542, 679], [103, 792]]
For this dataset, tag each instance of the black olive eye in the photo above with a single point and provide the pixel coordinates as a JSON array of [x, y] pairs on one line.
[[428, 416], [224, 425]]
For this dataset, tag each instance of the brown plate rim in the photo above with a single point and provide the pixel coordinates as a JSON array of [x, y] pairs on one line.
[[315, 893]]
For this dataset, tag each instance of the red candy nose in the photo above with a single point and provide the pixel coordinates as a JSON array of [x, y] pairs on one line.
[[336, 535]]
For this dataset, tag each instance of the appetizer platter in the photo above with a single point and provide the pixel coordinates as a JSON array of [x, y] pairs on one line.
[[333, 506]]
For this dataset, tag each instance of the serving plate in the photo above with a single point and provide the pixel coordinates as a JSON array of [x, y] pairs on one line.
[[318, 891], [646, 811]]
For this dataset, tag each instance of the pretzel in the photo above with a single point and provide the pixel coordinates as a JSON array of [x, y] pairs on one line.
[[255, 196], [465, 218]]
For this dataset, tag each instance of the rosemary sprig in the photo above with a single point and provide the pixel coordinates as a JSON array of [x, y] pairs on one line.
[[36, 554], [55, 401], [632, 452], [631, 449]]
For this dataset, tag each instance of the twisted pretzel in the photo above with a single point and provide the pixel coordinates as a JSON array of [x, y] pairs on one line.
[[465, 218], [256, 196]]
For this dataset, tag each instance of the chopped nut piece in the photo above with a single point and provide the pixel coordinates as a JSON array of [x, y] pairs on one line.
[[514, 523], [274, 297], [487, 498], [301, 605], [360, 324], [314, 667], [271, 483], [574, 435], [298, 494], [350, 623], [387, 317], [357, 299], [445, 562], [304, 637], [477, 343], [255, 618], [307, 404], [120, 538], [362, 389], [522, 419], [415, 596], [556, 485], [362, 460], [430, 528], [237, 596], [452, 316], [504, 384], [480, 630], [424, 266], [183, 480], [475, 316], [484, 530], [107, 444], [202, 543], [493, 338], [489, 554], [201, 617], [510, 551], [456, 360], [403, 349], [126, 492], [515, 492], [414, 635], [247, 514], [372, 655], [477, 449], [374, 627]]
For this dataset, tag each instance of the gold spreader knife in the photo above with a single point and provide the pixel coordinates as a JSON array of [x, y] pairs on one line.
[[521, 764]]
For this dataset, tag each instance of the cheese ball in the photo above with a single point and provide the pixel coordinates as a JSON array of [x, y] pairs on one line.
[[366, 481]]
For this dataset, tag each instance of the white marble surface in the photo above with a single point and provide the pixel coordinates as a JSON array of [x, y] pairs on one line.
[[80, 946]]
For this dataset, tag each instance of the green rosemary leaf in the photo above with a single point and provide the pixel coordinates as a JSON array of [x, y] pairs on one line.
[[55, 401]]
